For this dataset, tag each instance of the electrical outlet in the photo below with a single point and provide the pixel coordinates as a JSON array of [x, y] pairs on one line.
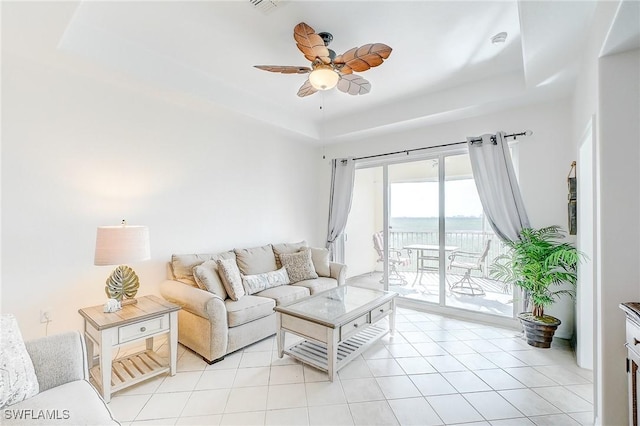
[[46, 315]]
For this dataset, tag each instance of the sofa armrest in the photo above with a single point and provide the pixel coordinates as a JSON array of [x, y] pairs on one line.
[[197, 301], [58, 359], [338, 271]]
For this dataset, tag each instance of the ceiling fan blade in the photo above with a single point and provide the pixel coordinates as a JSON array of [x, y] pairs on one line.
[[360, 59], [306, 89], [284, 69], [310, 43], [353, 85]]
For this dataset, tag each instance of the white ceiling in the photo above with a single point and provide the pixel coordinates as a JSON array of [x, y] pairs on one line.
[[443, 65]]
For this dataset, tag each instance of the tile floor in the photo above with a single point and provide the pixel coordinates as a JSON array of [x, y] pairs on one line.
[[433, 371]]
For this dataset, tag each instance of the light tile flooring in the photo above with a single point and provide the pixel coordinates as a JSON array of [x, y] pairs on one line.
[[433, 371]]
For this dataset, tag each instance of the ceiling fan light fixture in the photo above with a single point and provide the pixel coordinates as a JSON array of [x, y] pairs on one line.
[[323, 77]]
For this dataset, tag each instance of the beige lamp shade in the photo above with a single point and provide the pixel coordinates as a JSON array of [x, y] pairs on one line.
[[116, 245]]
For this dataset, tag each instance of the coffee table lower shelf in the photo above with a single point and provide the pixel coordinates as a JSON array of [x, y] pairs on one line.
[[315, 353], [129, 370]]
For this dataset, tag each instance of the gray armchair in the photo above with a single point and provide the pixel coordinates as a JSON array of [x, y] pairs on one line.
[[66, 396]]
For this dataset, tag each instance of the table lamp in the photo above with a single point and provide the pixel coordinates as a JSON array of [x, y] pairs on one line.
[[117, 245]]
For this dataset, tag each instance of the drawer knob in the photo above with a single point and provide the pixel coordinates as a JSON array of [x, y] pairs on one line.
[[143, 329], [355, 325], [381, 310], [635, 341]]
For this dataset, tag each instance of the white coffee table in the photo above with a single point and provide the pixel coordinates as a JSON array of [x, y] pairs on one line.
[[337, 325]]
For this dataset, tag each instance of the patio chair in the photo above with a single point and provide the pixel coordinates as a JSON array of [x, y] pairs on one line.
[[395, 259], [470, 261]]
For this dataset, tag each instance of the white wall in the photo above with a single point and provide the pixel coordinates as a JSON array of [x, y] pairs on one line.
[[360, 255], [586, 243], [544, 162], [619, 223], [607, 93], [78, 153]]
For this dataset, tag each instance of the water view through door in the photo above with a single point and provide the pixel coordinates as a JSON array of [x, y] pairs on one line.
[[439, 243]]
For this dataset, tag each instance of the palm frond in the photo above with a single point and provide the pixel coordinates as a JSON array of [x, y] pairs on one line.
[[539, 262]]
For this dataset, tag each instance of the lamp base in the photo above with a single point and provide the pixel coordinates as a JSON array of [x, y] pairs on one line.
[[122, 284]]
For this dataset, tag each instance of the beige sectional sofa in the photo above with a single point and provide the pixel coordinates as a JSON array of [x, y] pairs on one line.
[[212, 323]]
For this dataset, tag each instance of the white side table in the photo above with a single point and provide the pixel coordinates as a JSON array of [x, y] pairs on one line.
[[148, 318]]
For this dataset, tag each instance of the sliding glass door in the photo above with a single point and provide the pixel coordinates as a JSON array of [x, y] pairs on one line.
[[414, 227], [417, 228]]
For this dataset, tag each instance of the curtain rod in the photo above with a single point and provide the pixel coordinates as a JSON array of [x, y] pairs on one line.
[[407, 151]]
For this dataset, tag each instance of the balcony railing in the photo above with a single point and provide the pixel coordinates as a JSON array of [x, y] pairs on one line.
[[473, 241]]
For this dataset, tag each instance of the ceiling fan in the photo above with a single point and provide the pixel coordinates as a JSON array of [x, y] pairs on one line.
[[329, 70]]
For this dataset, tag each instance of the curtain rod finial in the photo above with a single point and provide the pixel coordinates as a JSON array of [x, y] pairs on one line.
[[528, 133]]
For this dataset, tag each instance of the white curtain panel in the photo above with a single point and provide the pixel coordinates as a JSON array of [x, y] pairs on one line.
[[342, 177], [497, 185]]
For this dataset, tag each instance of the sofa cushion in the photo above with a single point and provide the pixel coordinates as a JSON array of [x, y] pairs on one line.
[[255, 283], [278, 249], [318, 284], [256, 260], [74, 403], [18, 380], [247, 309], [299, 265], [182, 264], [320, 259], [207, 278], [231, 278], [285, 294]]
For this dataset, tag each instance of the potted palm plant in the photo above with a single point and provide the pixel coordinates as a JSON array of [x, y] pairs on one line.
[[540, 264]]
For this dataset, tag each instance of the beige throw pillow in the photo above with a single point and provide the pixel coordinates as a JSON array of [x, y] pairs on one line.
[[278, 249], [207, 278], [299, 265], [231, 278], [182, 265], [256, 283], [320, 258]]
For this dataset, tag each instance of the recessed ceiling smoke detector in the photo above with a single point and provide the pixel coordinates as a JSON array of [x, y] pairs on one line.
[[499, 38], [265, 6]]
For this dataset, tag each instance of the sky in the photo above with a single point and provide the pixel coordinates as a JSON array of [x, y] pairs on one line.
[[420, 199]]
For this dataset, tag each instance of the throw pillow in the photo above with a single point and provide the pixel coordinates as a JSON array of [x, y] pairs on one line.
[[231, 278], [299, 265], [182, 265], [256, 283], [207, 278], [278, 249], [18, 379], [320, 258]]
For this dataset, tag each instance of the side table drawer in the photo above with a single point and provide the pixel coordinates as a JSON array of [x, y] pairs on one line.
[[144, 328]]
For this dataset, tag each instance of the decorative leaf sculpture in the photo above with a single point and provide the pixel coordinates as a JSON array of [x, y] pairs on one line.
[[306, 89], [310, 43], [353, 85], [360, 59], [284, 69], [122, 282]]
